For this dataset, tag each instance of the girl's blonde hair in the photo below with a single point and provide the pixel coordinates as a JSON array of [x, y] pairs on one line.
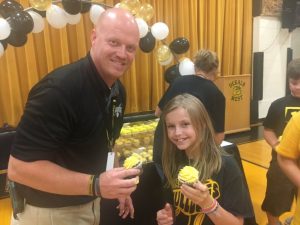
[[206, 154]]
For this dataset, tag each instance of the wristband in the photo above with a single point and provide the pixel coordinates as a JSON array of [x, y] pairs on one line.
[[212, 208], [96, 187], [93, 185], [91, 181]]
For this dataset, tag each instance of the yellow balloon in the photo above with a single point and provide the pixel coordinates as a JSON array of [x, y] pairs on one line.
[[40, 5], [123, 6], [132, 5], [145, 12], [163, 53], [168, 61]]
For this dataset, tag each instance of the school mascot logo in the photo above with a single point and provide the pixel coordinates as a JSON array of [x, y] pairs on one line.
[[237, 87], [185, 207]]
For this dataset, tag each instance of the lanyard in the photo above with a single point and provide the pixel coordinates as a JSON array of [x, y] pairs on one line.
[[110, 135]]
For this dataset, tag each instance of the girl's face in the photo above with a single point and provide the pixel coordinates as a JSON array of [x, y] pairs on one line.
[[181, 132]]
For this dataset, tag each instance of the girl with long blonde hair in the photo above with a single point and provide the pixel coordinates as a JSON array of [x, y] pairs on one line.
[[219, 196]]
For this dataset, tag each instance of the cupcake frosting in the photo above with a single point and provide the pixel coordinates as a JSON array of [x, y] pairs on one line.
[[188, 174], [132, 161]]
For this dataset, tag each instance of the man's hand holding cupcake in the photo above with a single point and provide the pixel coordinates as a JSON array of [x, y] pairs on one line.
[[115, 183], [134, 161]]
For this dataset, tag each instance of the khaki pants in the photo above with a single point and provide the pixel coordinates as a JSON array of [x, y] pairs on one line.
[[86, 214]]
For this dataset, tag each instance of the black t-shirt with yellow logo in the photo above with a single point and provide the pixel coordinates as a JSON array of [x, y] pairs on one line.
[[280, 112], [227, 187]]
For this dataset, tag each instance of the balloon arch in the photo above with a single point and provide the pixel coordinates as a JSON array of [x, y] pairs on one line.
[[17, 22]]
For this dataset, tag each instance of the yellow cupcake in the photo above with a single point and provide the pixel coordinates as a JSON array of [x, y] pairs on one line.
[[188, 175], [133, 161]]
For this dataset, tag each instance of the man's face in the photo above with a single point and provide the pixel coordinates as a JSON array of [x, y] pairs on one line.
[[295, 87], [114, 47]]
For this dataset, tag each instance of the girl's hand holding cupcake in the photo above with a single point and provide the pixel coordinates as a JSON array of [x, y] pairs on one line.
[[192, 188], [198, 193]]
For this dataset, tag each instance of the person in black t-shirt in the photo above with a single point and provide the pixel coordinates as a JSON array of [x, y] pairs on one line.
[[280, 191], [201, 86], [219, 196], [71, 119]]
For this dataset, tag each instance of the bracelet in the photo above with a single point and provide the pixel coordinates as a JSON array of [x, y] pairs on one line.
[[213, 210], [213, 207], [209, 207], [91, 181], [93, 185], [96, 189]]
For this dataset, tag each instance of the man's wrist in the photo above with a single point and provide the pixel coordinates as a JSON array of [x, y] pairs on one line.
[[94, 185]]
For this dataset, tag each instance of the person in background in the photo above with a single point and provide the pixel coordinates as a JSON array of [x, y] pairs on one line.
[[71, 119], [280, 191], [289, 156], [219, 197], [200, 85]]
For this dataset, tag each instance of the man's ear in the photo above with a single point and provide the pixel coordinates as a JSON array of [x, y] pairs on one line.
[[93, 35]]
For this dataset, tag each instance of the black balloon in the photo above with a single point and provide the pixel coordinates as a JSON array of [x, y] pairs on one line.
[[172, 73], [179, 45], [15, 39], [85, 7], [8, 7], [72, 7], [21, 22], [4, 44], [147, 43]]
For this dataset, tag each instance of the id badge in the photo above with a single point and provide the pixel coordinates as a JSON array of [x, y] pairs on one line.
[[110, 161]]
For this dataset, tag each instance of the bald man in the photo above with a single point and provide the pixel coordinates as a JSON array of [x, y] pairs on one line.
[[61, 154]]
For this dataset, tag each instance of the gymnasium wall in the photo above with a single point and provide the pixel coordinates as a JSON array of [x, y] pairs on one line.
[[273, 41]]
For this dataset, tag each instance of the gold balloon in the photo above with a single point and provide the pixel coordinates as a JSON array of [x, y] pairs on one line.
[[168, 61], [145, 12], [131, 5], [123, 6], [163, 53], [40, 5]]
